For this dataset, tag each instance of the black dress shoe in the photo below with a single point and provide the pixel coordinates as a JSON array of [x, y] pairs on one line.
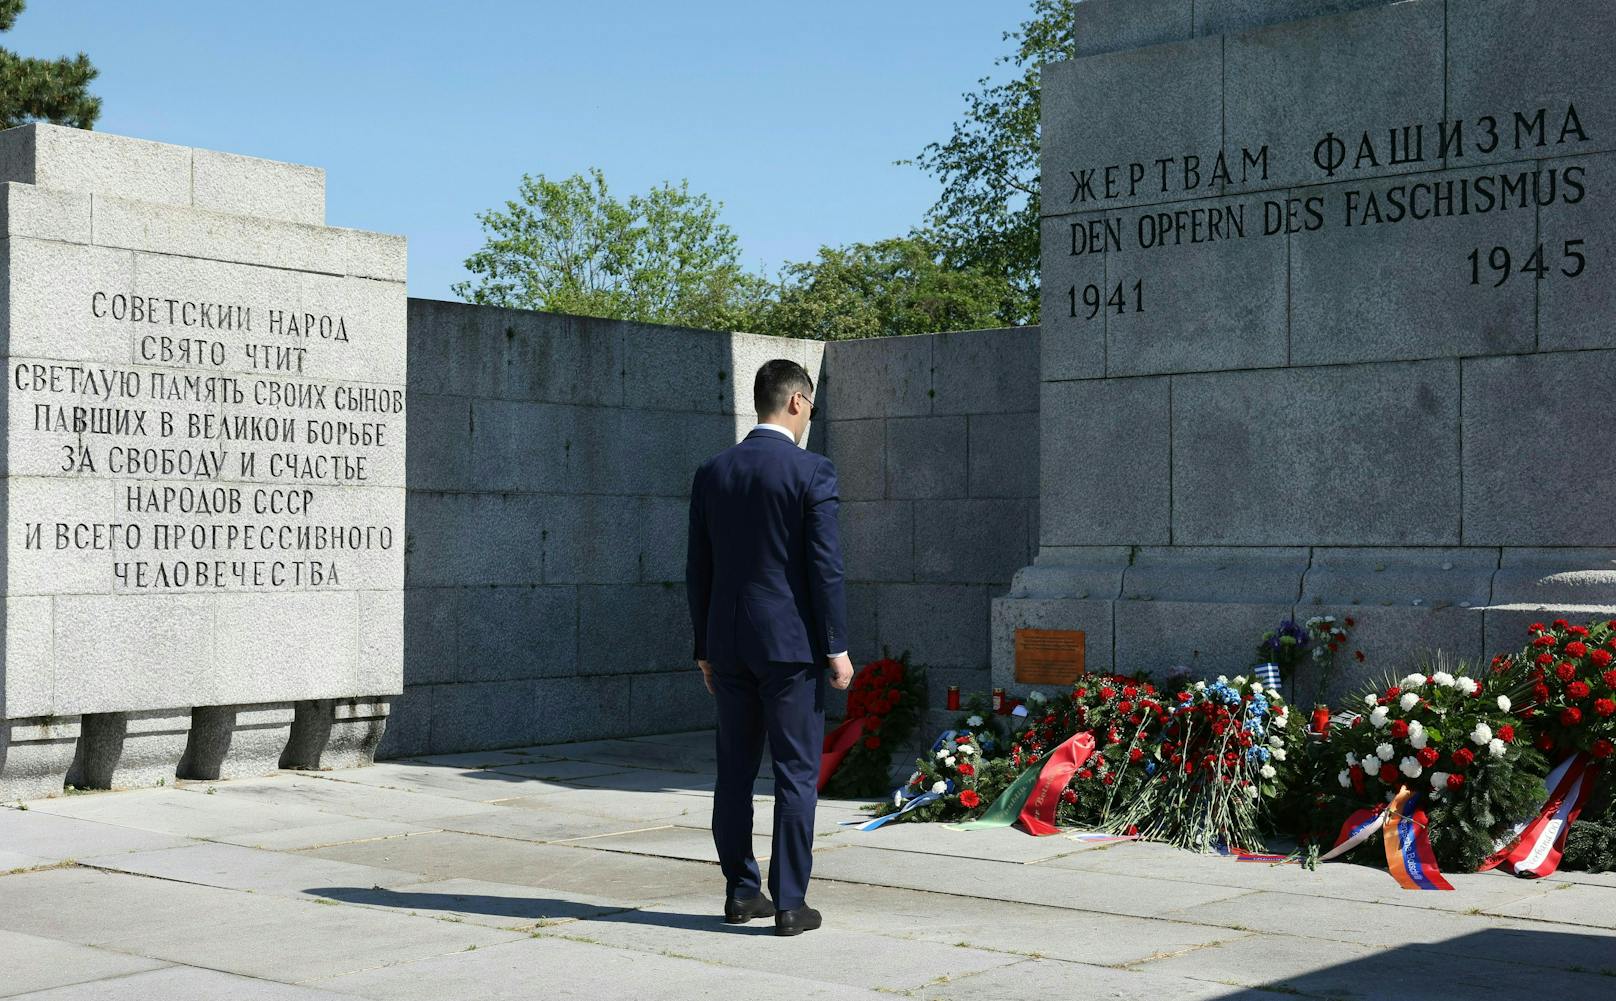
[[796, 921], [739, 912]]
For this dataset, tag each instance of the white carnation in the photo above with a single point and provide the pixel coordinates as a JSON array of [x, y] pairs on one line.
[[949, 761], [1481, 734], [897, 798], [1384, 752], [1371, 764], [942, 752], [973, 721], [1282, 720], [1267, 771], [1410, 767], [1496, 747], [1252, 792], [1256, 686], [939, 787], [1200, 686], [1239, 680], [1377, 719], [1036, 696], [1345, 778], [1352, 759], [1279, 754], [1418, 740], [1442, 678], [1412, 681], [1370, 701], [1468, 686], [1408, 701], [1439, 780], [1275, 742], [1504, 703]]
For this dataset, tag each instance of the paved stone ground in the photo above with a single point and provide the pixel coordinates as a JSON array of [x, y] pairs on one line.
[[584, 871]]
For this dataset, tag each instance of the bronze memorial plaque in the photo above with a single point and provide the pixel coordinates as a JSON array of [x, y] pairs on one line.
[[1049, 656]]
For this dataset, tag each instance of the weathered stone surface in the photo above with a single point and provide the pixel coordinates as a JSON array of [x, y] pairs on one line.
[[664, 532], [1491, 73], [1071, 346], [162, 229], [1094, 493], [658, 639], [985, 371], [1537, 585], [1575, 312], [1163, 101], [924, 457], [1239, 438], [1289, 85], [1537, 407], [54, 156], [939, 624], [1347, 306], [1003, 455], [266, 189], [1236, 286], [36, 755], [467, 350], [507, 633], [858, 448], [1239, 15], [35, 963], [1150, 635], [1109, 25], [970, 541], [129, 750], [229, 742], [877, 377], [879, 540], [44, 214]]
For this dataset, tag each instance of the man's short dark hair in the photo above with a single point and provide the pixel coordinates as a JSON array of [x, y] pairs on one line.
[[775, 383]]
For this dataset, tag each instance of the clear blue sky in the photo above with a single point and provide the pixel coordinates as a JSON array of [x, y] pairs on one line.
[[425, 113]]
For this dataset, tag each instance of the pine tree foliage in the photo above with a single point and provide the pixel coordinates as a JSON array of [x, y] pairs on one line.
[[44, 90]]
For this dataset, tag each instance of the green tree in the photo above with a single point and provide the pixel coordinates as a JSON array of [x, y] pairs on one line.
[[569, 246], [44, 90], [901, 285], [987, 215]]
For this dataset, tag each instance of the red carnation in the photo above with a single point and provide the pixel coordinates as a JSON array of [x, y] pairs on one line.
[[969, 799], [1544, 659], [1506, 733], [1085, 774], [1107, 692], [1540, 691], [1561, 624], [1081, 692], [1455, 781], [1543, 641], [1605, 707], [1069, 796], [1571, 716], [1463, 758], [1124, 707], [1577, 689], [1577, 630], [1129, 691], [1358, 654], [1565, 670], [1602, 748], [1351, 622], [1135, 754], [963, 738], [872, 742], [894, 697], [1399, 729], [1576, 648], [1393, 692], [1427, 756], [1388, 773], [966, 768], [1601, 657], [1610, 678]]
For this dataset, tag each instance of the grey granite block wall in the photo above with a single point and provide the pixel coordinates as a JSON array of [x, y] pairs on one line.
[[548, 496]]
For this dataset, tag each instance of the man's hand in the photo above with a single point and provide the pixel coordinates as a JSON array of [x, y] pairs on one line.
[[707, 676], [841, 671]]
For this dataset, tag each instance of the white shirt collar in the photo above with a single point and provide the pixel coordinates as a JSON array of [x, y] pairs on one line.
[[778, 429]]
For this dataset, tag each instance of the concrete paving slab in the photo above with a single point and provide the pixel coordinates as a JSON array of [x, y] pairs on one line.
[[563, 970], [1572, 903], [345, 799], [250, 934], [647, 780], [232, 867], [482, 759], [833, 954], [181, 813], [480, 785], [670, 842], [183, 983], [1140, 896], [627, 879], [338, 832], [1001, 844], [1343, 969], [476, 901], [694, 755], [13, 861], [32, 963], [1040, 978], [1024, 929], [540, 826], [560, 771], [647, 809], [40, 834]]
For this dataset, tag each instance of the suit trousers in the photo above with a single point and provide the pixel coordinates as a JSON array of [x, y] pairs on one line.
[[785, 705]]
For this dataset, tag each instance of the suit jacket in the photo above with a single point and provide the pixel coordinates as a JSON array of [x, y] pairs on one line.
[[763, 569]]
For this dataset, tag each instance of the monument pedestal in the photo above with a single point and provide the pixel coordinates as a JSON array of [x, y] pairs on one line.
[[336, 733], [129, 750], [36, 755], [229, 742]]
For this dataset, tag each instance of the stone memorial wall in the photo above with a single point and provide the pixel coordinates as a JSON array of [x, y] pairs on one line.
[[1328, 327], [203, 469]]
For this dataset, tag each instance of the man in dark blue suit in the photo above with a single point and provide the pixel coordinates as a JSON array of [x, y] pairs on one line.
[[764, 577]]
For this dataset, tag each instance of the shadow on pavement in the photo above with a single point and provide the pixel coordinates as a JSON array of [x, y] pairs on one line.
[[534, 909]]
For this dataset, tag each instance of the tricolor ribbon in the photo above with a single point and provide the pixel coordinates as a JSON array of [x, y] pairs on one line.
[[1045, 780], [870, 825], [1534, 847], [1402, 826]]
